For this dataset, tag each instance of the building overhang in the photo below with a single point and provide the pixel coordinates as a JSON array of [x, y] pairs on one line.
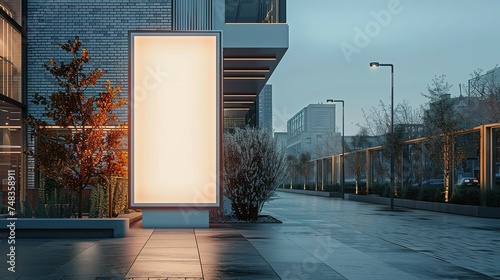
[[251, 54]]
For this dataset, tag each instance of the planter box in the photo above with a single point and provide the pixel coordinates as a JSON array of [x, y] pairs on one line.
[[72, 228], [308, 192], [368, 198], [468, 210]]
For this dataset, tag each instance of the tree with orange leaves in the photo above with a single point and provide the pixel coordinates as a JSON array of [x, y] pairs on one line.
[[79, 138]]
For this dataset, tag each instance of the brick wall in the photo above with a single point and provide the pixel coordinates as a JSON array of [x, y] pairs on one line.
[[102, 26]]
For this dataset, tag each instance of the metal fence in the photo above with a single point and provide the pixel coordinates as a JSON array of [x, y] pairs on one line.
[[418, 162]]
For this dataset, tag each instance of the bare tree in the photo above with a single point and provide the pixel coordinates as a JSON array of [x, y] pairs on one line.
[[444, 120], [304, 159], [330, 144], [292, 168], [253, 168], [408, 125], [486, 89], [357, 165]]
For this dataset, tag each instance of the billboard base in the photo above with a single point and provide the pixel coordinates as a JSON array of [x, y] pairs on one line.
[[174, 218]]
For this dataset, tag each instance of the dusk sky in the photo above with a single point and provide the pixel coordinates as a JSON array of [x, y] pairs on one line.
[[332, 43]]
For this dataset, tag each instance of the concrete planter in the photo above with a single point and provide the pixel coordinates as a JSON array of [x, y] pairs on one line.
[[73, 228], [308, 192], [468, 210], [368, 198]]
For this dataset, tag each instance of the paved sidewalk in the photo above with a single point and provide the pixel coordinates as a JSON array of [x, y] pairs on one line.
[[320, 238]]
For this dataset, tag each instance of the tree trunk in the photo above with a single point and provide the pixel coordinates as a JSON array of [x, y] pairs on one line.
[[357, 179], [80, 202], [110, 195], [447, 163]]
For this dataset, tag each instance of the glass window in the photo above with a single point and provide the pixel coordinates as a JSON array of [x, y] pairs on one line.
[[10, 127], [10, 146], [12, 8], [252, 11], [10, 61]]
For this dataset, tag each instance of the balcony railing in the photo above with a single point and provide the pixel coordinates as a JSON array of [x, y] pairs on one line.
[[192, 14], [255, 11]]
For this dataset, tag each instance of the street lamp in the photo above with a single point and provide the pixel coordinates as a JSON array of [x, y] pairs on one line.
[[343, 145], [374, 65]]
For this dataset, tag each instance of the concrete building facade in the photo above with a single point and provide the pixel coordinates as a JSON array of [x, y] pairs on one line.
[[265, 108], [281, 139], [312, 129]]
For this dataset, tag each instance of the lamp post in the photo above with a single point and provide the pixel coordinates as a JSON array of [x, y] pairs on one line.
[[343, 146], [376, 64]]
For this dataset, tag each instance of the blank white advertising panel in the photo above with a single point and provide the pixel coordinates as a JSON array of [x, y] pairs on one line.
[[175, 119]]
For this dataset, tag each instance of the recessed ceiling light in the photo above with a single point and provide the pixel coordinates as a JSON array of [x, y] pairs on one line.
[[236, 109], [238, 102], [244, 78], [249, 58], [246, 70]]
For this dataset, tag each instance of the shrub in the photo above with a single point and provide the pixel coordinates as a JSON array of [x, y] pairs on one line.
[[120, 197], [27, 211], [466, 196], [332, 188], [4, 209], [410, 192], [51, 189], [379, 189], [53, 205], [216, 215], [349, 188], [253, 167], [98, 202], [492, 197], [431, 193], [53, 210], [311, 187], [19, 212], [40, 211]]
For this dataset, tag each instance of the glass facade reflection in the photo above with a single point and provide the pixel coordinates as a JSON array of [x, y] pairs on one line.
[[253, 11], [10, 145], [11, 99], [13, 9], [10, 61]]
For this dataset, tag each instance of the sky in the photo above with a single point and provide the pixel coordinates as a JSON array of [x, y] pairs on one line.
[[332, 42]]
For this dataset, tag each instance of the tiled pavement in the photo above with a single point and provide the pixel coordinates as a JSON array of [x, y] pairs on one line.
[[320, 238]]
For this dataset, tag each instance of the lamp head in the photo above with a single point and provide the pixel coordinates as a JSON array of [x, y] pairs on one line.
[[329, 101], [374, 64]]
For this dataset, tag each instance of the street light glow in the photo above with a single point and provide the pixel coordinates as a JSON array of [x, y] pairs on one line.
[[374, 64]]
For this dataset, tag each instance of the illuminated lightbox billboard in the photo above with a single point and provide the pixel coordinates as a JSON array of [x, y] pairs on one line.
[[175, 119]]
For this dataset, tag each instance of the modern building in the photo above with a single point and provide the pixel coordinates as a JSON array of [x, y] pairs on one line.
[[354, 143], [313, 130], [255, 38], [265, 108], [480, 84], [281, 139], [12, 97], [483, 99]]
